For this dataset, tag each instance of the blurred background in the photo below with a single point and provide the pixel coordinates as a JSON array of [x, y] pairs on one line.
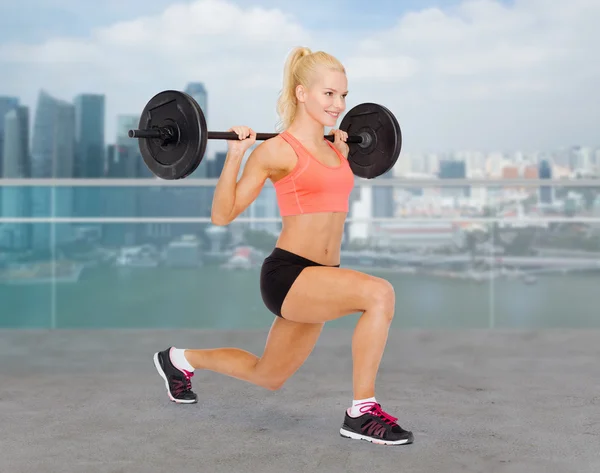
[[490, 219]]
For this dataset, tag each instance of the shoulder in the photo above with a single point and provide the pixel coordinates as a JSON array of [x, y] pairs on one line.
[[271, 153]]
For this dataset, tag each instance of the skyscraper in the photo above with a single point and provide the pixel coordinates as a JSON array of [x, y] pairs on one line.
[[53, 144], [16, 201], [89, 153], [89, 136], [383, 204], [198, 93], [546, 195], [53, 151], [15, 149], [214, 167], [124, 162], [454, 169], [6, 105]]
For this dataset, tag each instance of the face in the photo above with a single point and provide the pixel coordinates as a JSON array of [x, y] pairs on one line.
[[325, 99]]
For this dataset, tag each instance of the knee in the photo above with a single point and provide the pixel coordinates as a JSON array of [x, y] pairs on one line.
[[273, 385], [270, 382], [383, 298]]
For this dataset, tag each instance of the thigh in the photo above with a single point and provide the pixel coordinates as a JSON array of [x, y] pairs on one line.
[[320, 294], [288, 345]]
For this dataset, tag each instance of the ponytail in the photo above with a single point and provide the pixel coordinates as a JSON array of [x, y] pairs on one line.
[[287, 104]]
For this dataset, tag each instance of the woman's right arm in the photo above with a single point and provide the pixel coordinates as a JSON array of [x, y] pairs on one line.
[[231, 196]]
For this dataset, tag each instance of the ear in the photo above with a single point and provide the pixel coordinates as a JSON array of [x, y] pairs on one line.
[[300, 93]]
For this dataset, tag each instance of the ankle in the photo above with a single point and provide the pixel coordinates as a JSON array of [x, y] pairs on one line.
[[179, 359], [361, 406]]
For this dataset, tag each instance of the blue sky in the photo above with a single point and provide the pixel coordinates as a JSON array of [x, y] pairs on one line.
[[458, 74], [38, 20]]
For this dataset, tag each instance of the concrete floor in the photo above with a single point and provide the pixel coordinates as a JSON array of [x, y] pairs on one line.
[[477, 401]]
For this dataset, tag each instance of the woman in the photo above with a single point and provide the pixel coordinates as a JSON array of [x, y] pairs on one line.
[[301, 281]]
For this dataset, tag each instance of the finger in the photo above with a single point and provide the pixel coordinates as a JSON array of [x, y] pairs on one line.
[[236, 130], [241, 131]]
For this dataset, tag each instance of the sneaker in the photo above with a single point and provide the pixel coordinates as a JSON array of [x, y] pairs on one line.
[[178, 382], [375, 426]]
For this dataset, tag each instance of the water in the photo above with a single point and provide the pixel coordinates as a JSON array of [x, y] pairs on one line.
[[212, 298]]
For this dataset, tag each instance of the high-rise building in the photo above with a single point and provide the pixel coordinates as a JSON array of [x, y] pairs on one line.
[[53, 144], [215, 166], [113, 168], [16, 201], [6, 105], [454, 169], [382, 200], [52, 154], [15, 150], [125, 161], [89, 136], [546, 192], [128, 155], [198, 93], [89, 155]]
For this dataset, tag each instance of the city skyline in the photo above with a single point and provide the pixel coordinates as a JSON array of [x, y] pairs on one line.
[[112, 123], [484, 75]]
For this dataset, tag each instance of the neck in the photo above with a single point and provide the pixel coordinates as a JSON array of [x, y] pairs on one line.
[[307, 130]]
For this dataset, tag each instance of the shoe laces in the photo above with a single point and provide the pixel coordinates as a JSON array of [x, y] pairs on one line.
[[183, 385], [375, 409]]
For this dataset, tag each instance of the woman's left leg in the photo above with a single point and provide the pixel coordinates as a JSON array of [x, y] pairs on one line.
[[288, 346]]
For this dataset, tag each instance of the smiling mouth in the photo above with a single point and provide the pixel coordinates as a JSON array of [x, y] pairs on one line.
[[333, 114]]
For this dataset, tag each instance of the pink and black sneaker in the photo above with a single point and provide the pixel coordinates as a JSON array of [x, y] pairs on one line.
[[178, 382], [376, 426]]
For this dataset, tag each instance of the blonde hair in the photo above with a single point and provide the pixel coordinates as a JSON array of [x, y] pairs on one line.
[[299, 68]]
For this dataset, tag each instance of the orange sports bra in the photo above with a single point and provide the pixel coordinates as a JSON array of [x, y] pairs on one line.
[[313, 186]]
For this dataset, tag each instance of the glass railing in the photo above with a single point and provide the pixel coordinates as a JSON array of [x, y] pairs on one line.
[[143, 254]]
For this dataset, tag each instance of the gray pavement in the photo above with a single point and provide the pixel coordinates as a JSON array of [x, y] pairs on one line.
[[477, 401]]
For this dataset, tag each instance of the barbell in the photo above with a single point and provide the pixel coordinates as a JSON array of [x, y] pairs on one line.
[[173, 135]]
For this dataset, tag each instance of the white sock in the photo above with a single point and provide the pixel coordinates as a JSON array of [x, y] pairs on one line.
[[179, 360], [354, 411]]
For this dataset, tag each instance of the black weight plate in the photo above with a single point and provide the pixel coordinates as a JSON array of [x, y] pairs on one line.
[[203, 140], [178, 159], [381, 155]]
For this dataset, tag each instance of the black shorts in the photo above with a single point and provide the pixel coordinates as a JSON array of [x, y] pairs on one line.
[[277, 274]]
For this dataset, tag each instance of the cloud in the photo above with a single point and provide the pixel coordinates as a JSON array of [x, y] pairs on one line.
[[237, 52], [480, 74], [493, 74]]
